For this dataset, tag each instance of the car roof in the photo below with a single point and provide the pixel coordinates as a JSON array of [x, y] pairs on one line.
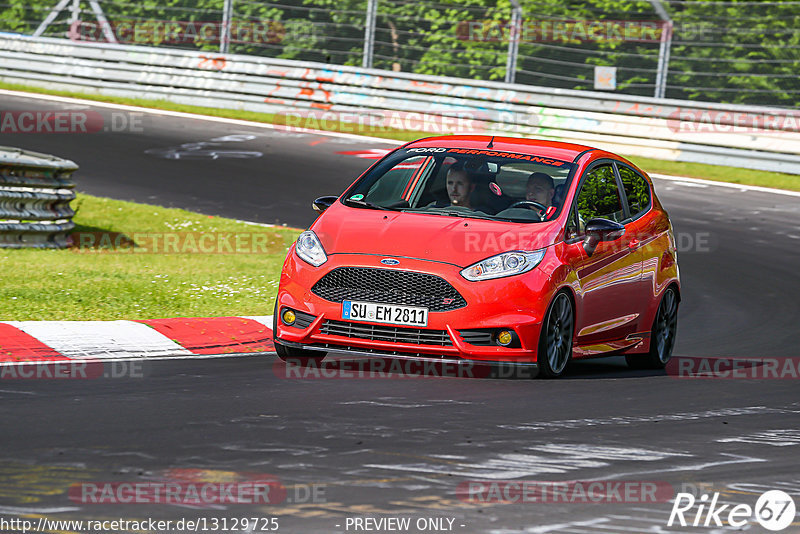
[[538, 147]]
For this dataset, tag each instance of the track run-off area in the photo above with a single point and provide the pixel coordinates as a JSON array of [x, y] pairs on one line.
[[336, 450]]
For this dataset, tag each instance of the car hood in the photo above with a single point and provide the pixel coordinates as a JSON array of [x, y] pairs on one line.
[[457, 240]]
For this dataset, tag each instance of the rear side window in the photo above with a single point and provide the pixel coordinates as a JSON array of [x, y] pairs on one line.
[[599, 195], [637, 191]]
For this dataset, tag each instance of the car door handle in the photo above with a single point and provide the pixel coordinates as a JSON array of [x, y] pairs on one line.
[[634, 243]]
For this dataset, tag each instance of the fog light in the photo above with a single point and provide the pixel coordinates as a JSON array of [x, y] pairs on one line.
[[504, 337], [289, 317]]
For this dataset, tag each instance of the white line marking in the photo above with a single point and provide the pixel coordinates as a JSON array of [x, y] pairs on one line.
[[21, 510], [265, 225], [691, 467], [740, 187], [559, 526], [548, 459], [631, 420], [388, 404], [777, 438], [657, 525], [638, 530], [166, 113], [690, 184]]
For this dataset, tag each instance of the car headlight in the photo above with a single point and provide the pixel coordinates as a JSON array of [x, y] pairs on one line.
[[310, 249], [505, 264]]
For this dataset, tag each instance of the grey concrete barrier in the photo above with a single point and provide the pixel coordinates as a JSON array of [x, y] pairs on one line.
[[35, 194], [720, 134]]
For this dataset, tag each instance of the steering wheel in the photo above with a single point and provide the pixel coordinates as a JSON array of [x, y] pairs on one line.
[[530, 204]]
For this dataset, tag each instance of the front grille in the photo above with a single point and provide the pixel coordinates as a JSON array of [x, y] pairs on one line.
[[394, 334], [389, 287]]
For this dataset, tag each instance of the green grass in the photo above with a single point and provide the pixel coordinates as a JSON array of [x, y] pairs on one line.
[[721, 174], [104, 284], [695, 170]]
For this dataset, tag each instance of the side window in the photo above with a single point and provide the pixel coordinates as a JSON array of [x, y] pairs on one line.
[[636, 190], [599, 196]]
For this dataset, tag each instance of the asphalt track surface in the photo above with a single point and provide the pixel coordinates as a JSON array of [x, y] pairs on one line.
[[399, 447]]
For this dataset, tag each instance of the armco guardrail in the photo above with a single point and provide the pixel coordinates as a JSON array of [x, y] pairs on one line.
[[720, 134], [35, 192]]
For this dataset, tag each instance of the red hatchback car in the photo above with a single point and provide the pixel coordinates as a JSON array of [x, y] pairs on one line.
[[486, 249]]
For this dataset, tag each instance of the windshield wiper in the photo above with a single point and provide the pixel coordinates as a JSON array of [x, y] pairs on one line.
[[470, 216], [450, 213], [367, 204]]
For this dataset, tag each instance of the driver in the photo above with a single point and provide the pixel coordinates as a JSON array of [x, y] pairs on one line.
[[541, 189], [459, 186]]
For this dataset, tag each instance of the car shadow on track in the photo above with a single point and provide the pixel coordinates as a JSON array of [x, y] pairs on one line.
[[344, 366], [610, 367]]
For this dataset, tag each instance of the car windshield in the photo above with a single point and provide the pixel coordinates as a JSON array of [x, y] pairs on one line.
[[456, 182]]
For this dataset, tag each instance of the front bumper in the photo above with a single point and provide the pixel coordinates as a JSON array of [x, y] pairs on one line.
[[517, 303]]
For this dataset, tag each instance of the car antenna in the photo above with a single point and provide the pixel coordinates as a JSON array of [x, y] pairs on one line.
[[491, 143]]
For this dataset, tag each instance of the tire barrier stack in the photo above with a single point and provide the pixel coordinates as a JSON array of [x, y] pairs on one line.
[[35, 195]]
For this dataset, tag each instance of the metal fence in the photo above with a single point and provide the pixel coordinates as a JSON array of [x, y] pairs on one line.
[[35, 193], [743, 51]]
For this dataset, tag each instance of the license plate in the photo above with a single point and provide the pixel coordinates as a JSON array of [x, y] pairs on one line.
[[384, 313]]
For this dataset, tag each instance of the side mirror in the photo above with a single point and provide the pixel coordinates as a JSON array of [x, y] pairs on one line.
[[598, 230], [323, 203]]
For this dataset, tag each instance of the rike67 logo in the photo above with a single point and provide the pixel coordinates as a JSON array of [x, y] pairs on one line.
[[774, 510]]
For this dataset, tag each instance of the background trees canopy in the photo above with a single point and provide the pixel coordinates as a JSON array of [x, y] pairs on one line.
[[738, 51]]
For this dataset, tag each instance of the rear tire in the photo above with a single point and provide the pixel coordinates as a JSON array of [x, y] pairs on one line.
[[293, 355], [555, 339], [662, 335]]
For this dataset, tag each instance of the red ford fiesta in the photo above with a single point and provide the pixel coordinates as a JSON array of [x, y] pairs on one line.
[[486, 249]]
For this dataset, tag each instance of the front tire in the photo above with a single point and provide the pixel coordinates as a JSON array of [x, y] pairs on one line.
[[555, 340], [662, 335]]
